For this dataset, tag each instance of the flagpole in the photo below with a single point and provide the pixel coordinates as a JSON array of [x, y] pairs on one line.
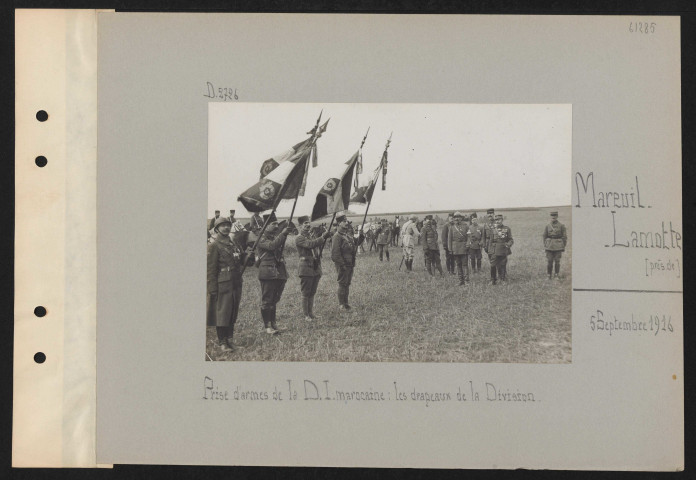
[[306, 172], [321, 249], [381, 165]]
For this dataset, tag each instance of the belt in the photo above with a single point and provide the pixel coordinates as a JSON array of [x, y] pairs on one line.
[[228, 269]]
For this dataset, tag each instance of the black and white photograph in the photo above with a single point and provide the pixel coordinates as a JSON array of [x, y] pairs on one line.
[[389, 233]]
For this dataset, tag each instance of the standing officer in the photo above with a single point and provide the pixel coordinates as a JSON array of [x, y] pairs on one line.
[[409, 237], [384, 238], [310, 264], [224, 282], [457, 245], [272, 271], [449, 261], [488, 233], [343, 249], [431, 249], [395, 231], [555, 240], [475, 242], [499, 248]]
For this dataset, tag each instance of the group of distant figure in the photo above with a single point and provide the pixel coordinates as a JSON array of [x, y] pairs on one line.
[[231, 250]]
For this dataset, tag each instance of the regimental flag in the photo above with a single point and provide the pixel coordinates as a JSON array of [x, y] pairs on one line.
[[384, 164], [334, 196], [284, 181], [272, 163], [364, 194]]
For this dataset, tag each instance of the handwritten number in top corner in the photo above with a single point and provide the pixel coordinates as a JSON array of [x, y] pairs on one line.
[[642, 27]]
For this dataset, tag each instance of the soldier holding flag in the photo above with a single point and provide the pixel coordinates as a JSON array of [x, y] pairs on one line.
[[309, 265], [343, 250], [272, 271]]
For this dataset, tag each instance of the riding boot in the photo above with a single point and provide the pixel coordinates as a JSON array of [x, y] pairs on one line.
[[266, 314], [557, 267], [230, 337], [549, 268], [466, 271], [310, 307], [346, 293], [439, 268], [460, 274], [494, 280], [305, 308], [478, 265], [387, 254], [503, 273], [272, 318], [428, 267]]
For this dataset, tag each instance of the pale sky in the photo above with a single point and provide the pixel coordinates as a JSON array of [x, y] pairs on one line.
[[442, 156]]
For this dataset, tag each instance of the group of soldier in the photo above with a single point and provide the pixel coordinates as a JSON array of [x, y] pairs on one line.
[[463, 240], [227, 257]]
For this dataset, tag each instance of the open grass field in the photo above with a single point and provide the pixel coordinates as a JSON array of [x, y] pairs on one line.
[[412, 317]]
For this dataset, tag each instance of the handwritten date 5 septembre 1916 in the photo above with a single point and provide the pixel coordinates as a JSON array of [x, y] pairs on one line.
[[226, 94]]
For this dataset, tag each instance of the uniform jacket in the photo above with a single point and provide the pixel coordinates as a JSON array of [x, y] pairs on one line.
[[343, 248], [409, 233], [445, 235], [475, 237], [487, 235], [501, 241], [224, 263], [555, 237], [430, 238], [308, 251], [457, 239], [384, 235], [271, 261], [256, 222]]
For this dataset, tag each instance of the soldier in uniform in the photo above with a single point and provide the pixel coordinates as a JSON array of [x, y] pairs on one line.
[[224, 282], [409, 237], [395, 231], [310, 264], [457, 244], [431, 248], [499, 247], [555, 240], [384, 238], [475, 242], [449, 260], [211, 226], [272, 271], [343, 249], [488, 233]]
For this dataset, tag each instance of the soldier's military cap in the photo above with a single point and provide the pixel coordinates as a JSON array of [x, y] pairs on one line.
[[217, 211], [414, 218], [473, 215], [270, 218], [490, 211], [220, 220], [465, 218], [458, 215], [554, 214], [340, 218], [303, 219], [499, 216], [428, 217]]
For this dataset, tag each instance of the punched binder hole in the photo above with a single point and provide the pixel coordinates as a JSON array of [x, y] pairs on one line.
[[41, 161], [41, 115], [39, 311], [39, 357]]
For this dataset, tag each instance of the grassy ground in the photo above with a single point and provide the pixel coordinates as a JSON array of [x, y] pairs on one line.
[[402, 317]]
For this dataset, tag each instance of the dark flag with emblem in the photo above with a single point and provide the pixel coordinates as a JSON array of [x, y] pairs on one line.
[[283, 181], [334, 196], [272, 163]]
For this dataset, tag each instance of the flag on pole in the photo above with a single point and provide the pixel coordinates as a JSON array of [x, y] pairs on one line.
[[364, 194], [334, 196], [310, 143], [282, 182]]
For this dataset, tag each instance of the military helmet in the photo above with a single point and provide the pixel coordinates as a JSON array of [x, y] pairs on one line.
[[220, 220]]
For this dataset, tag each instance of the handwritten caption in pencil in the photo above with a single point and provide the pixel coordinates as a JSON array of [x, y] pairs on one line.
[[325, 390]]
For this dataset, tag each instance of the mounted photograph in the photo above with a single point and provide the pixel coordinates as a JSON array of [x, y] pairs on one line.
[[389, 233]]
